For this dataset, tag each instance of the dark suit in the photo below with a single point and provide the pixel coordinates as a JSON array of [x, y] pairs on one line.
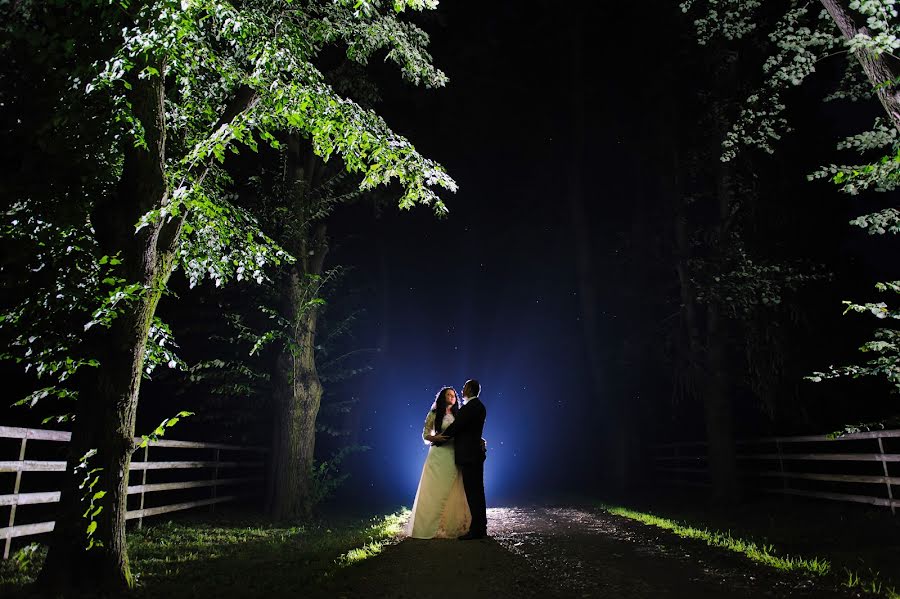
[[466, 431]]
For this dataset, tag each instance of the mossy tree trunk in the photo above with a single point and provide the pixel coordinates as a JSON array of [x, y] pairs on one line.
[[108, 395]]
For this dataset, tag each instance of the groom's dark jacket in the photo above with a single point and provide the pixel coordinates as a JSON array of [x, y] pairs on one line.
[[466, 431]]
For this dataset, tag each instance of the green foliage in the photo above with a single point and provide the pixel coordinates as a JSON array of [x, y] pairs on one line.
[[863, 427], [884, 348], [326, 476], [799, 40], [236, 74], [27, 558], [90, 498], [881, 174], [160, 430], [70, 291], [743, 285]]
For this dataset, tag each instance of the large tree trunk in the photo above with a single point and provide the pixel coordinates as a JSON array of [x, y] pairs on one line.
[[108, 395], [719, 413], [297, 396], [716, 397], [881, 70], [706, 367], [704, 328], [297, 391]]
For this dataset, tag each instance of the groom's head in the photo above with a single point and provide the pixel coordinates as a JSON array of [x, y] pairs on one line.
[[471, 389]]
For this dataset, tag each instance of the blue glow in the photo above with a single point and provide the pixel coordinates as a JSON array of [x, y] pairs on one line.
[[531, 425], [474, 298]]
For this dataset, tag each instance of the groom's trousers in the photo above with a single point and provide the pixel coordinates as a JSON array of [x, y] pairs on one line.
[[473, 482]]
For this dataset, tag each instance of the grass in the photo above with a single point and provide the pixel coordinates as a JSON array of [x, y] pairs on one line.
[[762, 553], [233, 556], [383, 532]]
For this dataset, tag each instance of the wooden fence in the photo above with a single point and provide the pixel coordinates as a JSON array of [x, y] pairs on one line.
[[854, 467], [139, 467]]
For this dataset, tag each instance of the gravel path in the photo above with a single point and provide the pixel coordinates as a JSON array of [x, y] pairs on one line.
[[568, 552]]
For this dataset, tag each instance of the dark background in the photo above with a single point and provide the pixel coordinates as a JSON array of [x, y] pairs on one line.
[[492, 290]]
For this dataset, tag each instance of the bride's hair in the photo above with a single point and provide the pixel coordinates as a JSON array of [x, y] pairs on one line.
[[440, 408]]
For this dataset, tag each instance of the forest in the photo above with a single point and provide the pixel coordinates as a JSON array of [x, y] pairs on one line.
[[632, 265]]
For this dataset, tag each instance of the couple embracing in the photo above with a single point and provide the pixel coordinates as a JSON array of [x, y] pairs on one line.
[[450, 499]]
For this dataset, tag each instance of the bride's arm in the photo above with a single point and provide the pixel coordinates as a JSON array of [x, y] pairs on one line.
[[429, 428]]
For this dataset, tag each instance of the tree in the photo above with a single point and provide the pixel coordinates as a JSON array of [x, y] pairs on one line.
[[183, 83], [867, 33], [295, 200]]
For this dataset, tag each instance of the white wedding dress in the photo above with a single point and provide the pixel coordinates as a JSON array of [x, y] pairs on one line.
[[440, 509]]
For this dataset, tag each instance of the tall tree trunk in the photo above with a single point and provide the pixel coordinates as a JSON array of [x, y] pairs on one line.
[[719, 413], [688, 294], [706, 367], [108, 395], [717, 397], [298, 391], [883, 74], [298, 396]]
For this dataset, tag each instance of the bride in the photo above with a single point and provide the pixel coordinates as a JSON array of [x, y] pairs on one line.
[[440, 509]]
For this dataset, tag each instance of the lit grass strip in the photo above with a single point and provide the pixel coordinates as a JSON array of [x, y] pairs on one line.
[[380, 533], [758, 553]]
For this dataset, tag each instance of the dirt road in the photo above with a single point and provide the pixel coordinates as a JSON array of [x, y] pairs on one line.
[[568, 552]]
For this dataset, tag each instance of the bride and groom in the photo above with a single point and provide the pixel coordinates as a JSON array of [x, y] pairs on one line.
[[450, 498]]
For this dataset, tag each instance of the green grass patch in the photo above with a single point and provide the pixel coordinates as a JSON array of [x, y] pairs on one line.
[[233, 557], [761, 553], [382, 531]]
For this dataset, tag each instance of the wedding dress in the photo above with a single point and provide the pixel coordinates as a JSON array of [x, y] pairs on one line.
[[440, 509]]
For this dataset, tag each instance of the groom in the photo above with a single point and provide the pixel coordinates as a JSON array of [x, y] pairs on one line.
[[470, 455]]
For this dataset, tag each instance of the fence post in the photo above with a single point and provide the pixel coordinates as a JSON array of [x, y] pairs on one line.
[[887, 475], [140, 523], [12, 510], [215, 477]]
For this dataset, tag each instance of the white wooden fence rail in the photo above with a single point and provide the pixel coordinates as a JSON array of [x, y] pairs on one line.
[[777, 458], [22, 465]]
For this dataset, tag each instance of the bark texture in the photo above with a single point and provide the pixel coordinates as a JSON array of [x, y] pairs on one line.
[[882, 71], [108, 395], [297, 393]]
